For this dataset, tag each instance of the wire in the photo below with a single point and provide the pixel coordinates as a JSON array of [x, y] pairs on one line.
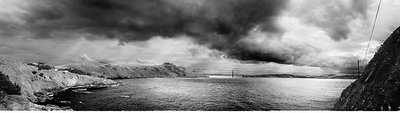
[[372, 32]]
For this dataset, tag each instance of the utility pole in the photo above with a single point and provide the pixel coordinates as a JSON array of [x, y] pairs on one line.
[[232, 73], [358, 68]]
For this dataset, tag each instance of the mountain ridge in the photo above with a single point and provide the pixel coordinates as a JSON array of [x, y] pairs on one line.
[[118, 71]]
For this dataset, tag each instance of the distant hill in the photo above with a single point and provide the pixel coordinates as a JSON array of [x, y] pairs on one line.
[[277, 76], [118, 71], [331, 76]]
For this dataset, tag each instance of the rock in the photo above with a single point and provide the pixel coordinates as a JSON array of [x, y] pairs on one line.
[[36, 107], [378, 87], [14, 102], [65, 102], [23, 85], [82, 91], [124, 96]]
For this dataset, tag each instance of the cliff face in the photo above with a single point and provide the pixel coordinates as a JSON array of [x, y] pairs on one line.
[[113, 71], [23, 84], [379, 86]]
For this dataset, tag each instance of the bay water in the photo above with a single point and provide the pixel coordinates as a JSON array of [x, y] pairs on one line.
[[211, 94]]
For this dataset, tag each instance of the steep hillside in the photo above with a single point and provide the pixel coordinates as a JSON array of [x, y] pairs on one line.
[[23, 84], [114, 71], [379, 86]]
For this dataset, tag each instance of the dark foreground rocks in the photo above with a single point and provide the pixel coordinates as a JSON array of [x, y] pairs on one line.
[[379, 85], [24, 85]]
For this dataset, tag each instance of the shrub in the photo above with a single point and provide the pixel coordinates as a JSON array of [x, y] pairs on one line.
[[7, 86], [41, 66], [44, 67]]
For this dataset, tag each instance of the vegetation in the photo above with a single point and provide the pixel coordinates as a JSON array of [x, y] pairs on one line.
[[7, 87], [42, 66]]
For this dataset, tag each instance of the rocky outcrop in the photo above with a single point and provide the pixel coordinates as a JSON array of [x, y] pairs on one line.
[[23, 85], [115, 71], [379, 86]]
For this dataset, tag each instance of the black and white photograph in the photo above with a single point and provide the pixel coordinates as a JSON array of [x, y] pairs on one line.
[[199, 55]]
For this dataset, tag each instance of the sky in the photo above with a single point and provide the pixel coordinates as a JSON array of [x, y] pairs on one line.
[[311, 37]]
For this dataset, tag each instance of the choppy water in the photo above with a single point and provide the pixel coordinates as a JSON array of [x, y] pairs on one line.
[[213, 94]]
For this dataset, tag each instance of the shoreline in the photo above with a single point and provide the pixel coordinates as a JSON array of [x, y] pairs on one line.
[[25, 85], [55, 104]]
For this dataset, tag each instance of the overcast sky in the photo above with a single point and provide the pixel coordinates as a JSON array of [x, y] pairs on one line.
[[250, 36]]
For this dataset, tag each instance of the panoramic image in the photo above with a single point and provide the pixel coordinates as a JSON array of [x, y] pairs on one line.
[[199, 55]]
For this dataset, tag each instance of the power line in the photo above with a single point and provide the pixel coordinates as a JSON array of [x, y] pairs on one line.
[[372, 32]]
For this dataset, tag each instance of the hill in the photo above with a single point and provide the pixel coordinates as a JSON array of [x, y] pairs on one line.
[[379, 85], [24, 85], [117, 71]]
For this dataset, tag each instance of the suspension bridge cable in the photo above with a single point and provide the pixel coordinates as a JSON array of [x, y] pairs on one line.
[[372, 32]]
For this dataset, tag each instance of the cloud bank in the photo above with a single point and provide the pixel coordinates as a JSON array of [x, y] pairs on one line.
[[218, 24], [319, 33]]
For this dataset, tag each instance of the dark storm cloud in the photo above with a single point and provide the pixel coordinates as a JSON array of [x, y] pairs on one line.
[[254, 56], [218, 24]]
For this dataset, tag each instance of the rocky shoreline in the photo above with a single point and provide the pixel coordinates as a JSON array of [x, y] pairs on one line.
[[52, 103], [23, 86], [32, 86]]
